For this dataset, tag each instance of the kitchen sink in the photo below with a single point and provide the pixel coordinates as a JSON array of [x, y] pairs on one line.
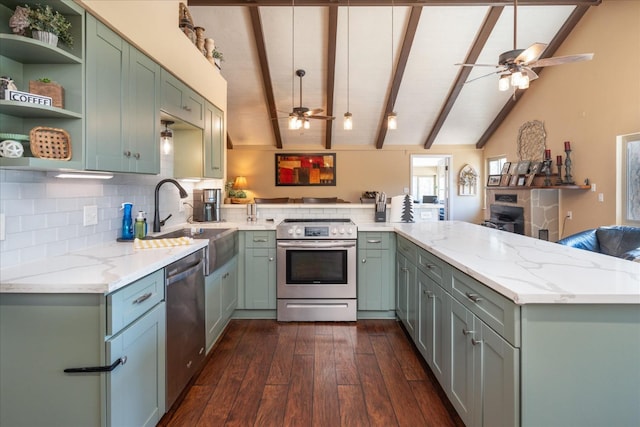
[[223, 244]]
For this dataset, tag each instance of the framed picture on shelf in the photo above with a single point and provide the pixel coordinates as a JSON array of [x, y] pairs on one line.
[[512, 168], [530, 179], [505, 168], [523, 167], [521, 180], [535, 168], [493, 181], [504, 181], [514, 181]]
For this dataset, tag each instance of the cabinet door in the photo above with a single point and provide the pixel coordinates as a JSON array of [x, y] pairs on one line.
[[432, 325], [136, 389], [260, 278], [500, 380], [229, 290], [143, 118], [180, 101], [412, 300], [214, 141], [107, 69], [213, 307], [461, 381], [375, 281], [402, 273]]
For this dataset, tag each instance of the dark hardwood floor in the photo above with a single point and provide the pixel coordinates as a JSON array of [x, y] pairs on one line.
[[265, 373]]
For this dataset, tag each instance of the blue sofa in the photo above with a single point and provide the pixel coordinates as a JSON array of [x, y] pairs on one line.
[[617, 240]]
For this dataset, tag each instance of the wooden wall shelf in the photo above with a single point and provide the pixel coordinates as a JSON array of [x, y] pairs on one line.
[[539, 187]]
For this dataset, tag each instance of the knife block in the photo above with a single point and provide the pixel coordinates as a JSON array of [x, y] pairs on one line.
[[381, 216]]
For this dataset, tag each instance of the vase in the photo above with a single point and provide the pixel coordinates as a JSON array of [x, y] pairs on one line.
[[45, 37], [200, 39], [209, 46]]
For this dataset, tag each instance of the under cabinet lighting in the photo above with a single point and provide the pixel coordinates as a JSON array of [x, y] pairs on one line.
[[80, 175]]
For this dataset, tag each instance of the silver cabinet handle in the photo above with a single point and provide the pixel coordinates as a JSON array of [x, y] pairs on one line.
[[364, 260], [404, 269], [270, 258], [186, 108], [259, 240], [373, 241], [475, 341], [127, 153], [473, 297], [467, 332], [429, 294], [137, 156], [142, 298]]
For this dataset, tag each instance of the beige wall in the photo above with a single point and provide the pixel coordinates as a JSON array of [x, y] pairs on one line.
[[358, 169], [589, 104]]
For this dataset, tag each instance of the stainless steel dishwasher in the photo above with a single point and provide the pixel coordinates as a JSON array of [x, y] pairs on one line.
[[184, 281]]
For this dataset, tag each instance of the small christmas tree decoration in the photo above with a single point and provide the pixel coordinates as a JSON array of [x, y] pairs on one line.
[[407, 209]]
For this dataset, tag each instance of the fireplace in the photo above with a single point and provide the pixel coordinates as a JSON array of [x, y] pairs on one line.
[[507, 218]]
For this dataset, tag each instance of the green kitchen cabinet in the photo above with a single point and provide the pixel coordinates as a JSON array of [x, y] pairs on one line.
[[214, 141], [221, 299], [180, 101], [123, 104], [406, 284], [484, 372], [259, 270], [42, 335], [24, 59], [376, 271], [432, 325]]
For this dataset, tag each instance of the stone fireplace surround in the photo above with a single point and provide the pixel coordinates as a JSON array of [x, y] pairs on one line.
[[541, 209]]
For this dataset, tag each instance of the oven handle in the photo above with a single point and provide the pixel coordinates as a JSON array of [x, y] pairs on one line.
[[317, 245]]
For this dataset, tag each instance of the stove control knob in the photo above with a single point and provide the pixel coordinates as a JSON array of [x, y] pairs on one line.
[[298, 231], [342, 231], [349, 231], [334, 231], [290, 231]]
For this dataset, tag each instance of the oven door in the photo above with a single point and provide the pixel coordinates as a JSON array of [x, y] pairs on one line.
[[316, 269]]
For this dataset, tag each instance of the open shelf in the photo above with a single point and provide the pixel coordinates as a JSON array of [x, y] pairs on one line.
[[31, 51], [539, 187]]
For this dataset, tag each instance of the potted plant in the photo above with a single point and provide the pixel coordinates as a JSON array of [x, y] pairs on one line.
[[49, 25], [218, 57]]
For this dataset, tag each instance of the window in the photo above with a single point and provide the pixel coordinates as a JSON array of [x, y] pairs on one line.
[[628, 180], [495, 165]]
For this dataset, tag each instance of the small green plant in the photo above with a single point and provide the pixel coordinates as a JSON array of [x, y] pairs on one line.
[[44, 80], [44, 18], [217, 54]]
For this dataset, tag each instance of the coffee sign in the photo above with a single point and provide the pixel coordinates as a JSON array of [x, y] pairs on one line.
[[15, 95]]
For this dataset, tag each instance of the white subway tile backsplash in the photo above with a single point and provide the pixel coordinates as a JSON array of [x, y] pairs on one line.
[[36, 190], [33, 222], [20, 207]]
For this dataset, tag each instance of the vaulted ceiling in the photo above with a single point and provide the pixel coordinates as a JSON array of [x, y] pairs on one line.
[[373, 57]]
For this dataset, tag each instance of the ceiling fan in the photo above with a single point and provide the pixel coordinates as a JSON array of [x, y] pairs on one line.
[[515, 67], [300, 115]]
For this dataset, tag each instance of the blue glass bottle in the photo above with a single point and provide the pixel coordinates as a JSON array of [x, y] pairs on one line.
[[127, 221]]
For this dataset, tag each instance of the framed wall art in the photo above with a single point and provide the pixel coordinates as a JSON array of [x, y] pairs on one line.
[[306, 169], [494, 180]]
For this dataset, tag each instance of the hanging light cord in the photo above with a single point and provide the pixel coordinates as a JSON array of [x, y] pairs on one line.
[[393, 65], [348, 54], [293, 46]]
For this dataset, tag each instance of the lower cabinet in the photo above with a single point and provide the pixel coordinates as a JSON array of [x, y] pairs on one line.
[[50, 344], [221, 299], [433, 306], [258, 277], [376, 271], [406, 293]]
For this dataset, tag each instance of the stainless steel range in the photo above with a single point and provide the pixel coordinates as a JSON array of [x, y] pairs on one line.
[[316, 270]]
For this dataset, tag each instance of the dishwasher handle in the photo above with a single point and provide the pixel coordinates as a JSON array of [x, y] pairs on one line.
[[186, 273], [108, 368]]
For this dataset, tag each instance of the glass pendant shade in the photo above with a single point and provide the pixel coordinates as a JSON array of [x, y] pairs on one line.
[[166, 138], [348, 121], [504, 83], [392, 121], [293, 121], [524, 82], [516, 78], [307, 124]]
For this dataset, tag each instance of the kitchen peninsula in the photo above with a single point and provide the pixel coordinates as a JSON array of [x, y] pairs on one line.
[[570, 318]]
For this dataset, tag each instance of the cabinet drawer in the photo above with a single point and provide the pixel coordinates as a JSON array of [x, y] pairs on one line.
[[260, 239], [500, 313], [432, 266], [408, 249], [127, 304], [373, 240]]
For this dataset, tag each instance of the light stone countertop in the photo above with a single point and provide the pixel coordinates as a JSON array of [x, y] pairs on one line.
[[523, 269]]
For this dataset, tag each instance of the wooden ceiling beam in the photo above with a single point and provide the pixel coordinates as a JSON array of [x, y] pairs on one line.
[[229, 142], [331, 72], [409, 35], [258, 35], [493, 3], [555, 43], [488, 24]]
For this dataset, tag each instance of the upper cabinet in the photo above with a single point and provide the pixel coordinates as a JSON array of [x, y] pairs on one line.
[[214, 137], [24, 59], [123, 104], [180, 101]]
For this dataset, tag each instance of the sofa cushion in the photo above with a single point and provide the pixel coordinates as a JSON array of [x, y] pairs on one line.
[[617, 240], [632, 255], [586, 240]]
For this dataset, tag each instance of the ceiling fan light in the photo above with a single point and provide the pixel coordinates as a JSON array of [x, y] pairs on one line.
[[516, 78], [293, 121], [524, 82], [503, 83], [348, 121], [307, 124], [392, 121]]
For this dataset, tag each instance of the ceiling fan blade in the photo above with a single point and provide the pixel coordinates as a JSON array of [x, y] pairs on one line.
[[486, 75], [321, 117], [313, 112], [478, 65], [558, 60], [531, 53]]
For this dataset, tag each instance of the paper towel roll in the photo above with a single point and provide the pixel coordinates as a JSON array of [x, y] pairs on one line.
[[397, 208]]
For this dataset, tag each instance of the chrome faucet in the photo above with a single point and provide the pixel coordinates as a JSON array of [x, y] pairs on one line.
[[156, 214]]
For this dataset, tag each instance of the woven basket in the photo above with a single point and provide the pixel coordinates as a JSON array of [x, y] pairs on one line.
[[50, 143]]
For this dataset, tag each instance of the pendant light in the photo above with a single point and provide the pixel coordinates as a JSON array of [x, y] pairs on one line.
[[392, 118], [348, 117], [295, 122], [166, 137]]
